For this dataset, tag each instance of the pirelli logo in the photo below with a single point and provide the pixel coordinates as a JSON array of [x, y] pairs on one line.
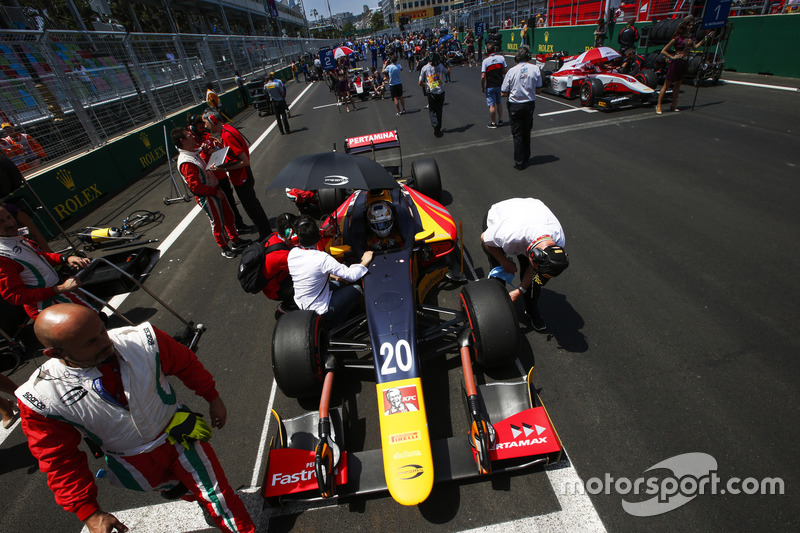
[[404, 437]]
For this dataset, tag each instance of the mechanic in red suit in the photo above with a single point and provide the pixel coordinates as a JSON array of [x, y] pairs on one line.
[[112, 387], [208, 145], [238, 168], [27, 277], [275, 268], [207, 193]]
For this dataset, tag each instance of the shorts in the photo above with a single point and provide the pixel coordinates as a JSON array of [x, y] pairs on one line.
[[396, 90], [493, 96]]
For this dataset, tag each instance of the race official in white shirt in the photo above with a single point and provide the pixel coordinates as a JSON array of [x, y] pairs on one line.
[[520, 86], [311, 270]]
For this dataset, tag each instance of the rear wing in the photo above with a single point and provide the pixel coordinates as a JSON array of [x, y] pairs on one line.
[[372, 141]]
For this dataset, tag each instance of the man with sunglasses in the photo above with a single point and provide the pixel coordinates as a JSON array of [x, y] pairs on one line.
[[112, 386], [526, 228]]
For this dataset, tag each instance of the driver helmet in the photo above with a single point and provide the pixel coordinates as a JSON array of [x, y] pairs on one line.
[[380, 220]]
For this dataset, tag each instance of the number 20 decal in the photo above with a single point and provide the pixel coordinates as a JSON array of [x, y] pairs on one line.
[[403, 352]]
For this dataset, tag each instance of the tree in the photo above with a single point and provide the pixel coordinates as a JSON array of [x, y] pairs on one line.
[[377, 22]]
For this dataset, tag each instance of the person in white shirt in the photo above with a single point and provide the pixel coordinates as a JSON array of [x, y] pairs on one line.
[[520, 86], [526, 228], [311, 270]]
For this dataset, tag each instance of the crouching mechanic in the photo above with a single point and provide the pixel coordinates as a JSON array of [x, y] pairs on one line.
[[525, 227], [112, 386], [311, 270]]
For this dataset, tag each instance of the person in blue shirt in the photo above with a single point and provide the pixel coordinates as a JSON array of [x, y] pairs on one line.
[[392, 70]]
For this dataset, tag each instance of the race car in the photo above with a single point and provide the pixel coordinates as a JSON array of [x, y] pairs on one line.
[[598, 84], [424, 177], [395, 333], [360, 83]]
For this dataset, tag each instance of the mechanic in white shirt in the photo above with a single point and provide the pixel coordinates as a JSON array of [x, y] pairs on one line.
[[525, 227], [311, 269], [521, 85]]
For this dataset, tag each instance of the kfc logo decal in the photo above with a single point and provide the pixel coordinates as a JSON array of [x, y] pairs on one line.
[[400, 400]]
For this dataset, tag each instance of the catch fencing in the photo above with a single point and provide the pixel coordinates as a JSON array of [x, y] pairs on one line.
[[74, 91]]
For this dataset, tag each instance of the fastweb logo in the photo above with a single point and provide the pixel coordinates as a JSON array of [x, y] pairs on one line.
[[691, 475]]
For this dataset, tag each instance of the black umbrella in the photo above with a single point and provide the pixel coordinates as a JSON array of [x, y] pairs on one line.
[[332, 170]]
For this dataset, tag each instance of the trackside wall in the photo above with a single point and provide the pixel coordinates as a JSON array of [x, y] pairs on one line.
[[78, 185]]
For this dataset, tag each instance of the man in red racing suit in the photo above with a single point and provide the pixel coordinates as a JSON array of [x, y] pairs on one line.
[[112, 387]]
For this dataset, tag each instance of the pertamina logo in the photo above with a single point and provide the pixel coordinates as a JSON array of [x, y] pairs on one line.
[[408, 472], [64, 177], [525, 431]]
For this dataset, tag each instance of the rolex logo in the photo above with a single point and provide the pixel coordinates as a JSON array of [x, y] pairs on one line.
[[546, 36], [65, 178], [145, 139]]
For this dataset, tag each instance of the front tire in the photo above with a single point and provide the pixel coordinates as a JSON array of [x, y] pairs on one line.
[[590, 91], [491, 316], [299, 343], [427, 179], [647, 77]]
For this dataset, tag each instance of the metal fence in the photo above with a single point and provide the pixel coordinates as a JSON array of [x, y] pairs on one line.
[[73, 91]]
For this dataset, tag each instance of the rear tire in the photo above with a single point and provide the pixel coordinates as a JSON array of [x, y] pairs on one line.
[[299, 343], [330, 199], [491, 316], [590, 91], [427, 180]]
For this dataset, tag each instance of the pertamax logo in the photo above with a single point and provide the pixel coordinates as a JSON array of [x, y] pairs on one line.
[[336, 180]]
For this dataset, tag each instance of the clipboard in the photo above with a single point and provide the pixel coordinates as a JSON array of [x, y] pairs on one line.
[[218, 157]]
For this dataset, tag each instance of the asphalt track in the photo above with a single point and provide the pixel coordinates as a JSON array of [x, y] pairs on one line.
[[673, 331]]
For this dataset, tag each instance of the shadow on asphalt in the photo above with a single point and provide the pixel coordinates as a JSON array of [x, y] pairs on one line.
[[460, 129], [542, 159], [563, 322], [16, 457]]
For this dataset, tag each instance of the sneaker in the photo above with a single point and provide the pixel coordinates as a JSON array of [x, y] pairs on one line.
[[499, 123], [537, 321], [246, 229], [240, 244], [491, 126], [398, 114], [228, 254]]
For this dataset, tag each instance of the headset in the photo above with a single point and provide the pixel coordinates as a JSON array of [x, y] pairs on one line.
[[193, 120]]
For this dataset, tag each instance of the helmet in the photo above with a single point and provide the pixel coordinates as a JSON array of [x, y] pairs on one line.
[[551, 261], [379, 216]]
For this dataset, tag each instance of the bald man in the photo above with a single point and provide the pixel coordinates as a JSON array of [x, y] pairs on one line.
[[27, 276], [111, 387]]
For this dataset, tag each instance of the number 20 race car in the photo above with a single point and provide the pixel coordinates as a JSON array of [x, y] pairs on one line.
[[393, 335]]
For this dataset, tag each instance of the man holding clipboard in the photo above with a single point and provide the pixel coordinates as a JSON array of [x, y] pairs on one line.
[[205, 187]]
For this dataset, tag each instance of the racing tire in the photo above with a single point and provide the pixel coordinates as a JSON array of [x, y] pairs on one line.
[[427, 180], [299, 343], [647, 77], [330, 199], [590, 91], [491, 316]]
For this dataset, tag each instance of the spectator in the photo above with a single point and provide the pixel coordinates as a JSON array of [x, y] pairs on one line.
[[470, 41], [392, 70], [540, 22], [124, 403], [525, 227], [374, 52], [628, 37], [318, 67], [208, 145], [311, 270], [377, 84], [295, 72], [7, 409], [524, 33], [430, 79], [343, 85], [306, 73], [277, 95], [242, 88], [32, 152], [238, 167], [207, 193], [27, 276], [212, 99], [521, 85], [493, 69], [676, 71], [600, 32]]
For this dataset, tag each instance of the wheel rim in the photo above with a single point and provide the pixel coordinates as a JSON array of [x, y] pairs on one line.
[[586, 92]]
